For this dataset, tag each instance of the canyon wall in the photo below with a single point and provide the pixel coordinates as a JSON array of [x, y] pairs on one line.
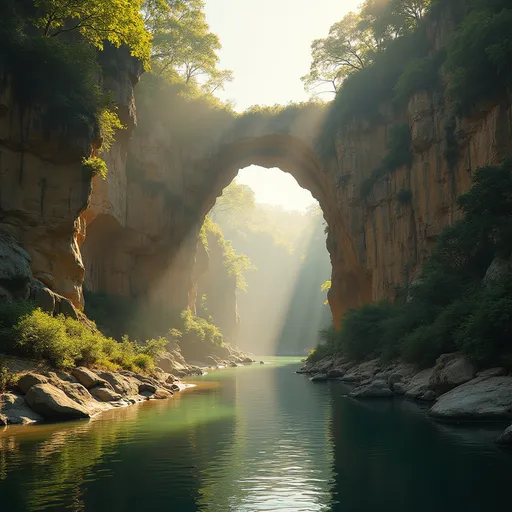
[[43, 190]]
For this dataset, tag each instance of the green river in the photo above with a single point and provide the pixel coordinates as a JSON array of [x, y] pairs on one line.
[[258, 438]]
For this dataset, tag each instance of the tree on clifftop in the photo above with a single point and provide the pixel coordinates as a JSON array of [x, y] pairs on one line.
[[117, 21], [349, 47], [184, 49]]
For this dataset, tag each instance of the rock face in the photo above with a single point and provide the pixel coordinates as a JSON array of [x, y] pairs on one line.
[[479, 399], [451, 370], [506, 438], [53, 404]]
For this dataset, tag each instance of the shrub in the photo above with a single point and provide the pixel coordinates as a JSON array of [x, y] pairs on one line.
[[478, 57], [404, 196], [486, 334], [64, 342], [362, 330], [8, 379], [419, 75]]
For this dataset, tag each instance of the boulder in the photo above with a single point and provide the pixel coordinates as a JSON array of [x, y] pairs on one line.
[[506, 438], [161, 394], [80, 395], [15, 410], [104, 394], [65, 307], [261, 362], [335, 373], [399, 388], [419, 384], [395, 378], [479, 399], [451, 370], [42, 296], [247, 360], [498, 268], [428, 396], [27, 380], [122, 384], [53, 404], [232, 364], [319, 377], [376, 389], [87, 377], [145, 387]]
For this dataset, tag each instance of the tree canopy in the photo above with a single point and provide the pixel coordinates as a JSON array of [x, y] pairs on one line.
[[117, 21], [353, 42], [184, 49]]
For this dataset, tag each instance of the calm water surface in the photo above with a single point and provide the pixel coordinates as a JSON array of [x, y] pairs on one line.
[[253, 439]]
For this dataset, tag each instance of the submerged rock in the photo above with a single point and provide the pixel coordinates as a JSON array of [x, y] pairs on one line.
[[53, 404], [376, 389], [479, 399]]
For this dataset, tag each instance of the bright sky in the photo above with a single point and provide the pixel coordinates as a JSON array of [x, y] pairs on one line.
[[266, 43]]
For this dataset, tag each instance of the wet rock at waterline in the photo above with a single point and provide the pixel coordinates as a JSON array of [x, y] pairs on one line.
[[320, 377], [376, 389], [15, 410], [53, 404], [104, 394], [451, 370], [479, 399], [506, 438], [419, 385]]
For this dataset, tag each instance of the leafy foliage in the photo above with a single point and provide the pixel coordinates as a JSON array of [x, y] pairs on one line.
[[116, 21], [64, 342], [478, 57]]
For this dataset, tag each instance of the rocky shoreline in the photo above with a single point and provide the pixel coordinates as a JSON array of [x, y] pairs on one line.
[[456, 390], [41, 394]]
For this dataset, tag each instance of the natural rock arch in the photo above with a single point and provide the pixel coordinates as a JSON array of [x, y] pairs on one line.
[[171, 188]]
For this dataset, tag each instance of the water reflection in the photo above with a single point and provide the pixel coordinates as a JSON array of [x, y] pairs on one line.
[[254, 439]]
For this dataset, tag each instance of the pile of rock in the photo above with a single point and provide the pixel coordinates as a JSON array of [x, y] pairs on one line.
[[82, 394], [458, 391]]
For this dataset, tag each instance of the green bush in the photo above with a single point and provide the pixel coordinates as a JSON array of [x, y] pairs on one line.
[[478, 57], [65, 343], [486, 334], [362, 330], [419, 75]]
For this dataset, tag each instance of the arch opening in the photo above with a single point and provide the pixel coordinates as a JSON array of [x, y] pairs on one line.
[[264, 215]]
